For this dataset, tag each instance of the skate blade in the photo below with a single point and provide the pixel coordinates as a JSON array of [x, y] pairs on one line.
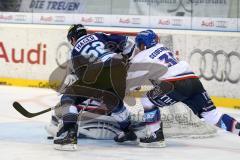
[[67, 147], [129, 143], [160, 144]]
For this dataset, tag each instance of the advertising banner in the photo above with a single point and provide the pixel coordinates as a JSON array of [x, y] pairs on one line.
[[215, 57], [31, 52], [53, 18], [130, 21], [219, 24], [170, 22], [66, 6], [93, 19], [49, 6], [15, 17]]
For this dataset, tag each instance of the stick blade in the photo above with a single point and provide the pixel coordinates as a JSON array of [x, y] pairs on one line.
[[21, 110], [27, 114]]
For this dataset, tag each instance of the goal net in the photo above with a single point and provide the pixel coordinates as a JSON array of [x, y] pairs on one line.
[[178, 119]]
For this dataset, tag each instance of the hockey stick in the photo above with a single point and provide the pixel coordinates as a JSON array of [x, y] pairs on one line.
[[27, 114]]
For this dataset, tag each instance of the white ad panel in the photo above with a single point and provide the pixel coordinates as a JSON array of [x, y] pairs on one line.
[[170, 22], [93, 19], [15, 17], [130, 21], [218, 24], [31, 52], [215, 57], [53, 18]]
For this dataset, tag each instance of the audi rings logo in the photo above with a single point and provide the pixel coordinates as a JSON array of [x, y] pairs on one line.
[[62, 53], [218, 65]]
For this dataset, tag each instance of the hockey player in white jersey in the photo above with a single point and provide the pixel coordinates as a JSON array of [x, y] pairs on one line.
[[186, 88]]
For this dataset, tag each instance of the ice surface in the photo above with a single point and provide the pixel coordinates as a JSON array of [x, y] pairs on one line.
[[25, 139]]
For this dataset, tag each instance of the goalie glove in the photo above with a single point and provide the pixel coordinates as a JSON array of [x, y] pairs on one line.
[[69, 80], [128, 50]]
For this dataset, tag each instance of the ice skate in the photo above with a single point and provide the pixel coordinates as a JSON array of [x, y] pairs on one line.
[[67, 142], [126, 137], [153, 140]]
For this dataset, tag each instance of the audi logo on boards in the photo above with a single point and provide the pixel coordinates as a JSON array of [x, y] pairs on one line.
[[99, 20], [62, 53], [210, 60]]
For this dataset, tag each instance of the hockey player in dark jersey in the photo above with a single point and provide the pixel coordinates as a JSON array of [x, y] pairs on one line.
[[101, 74]]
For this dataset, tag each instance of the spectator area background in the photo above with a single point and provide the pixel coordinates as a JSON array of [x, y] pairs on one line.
[[221, 15]]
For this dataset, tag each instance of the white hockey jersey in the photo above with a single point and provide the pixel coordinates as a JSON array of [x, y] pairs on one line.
[[176, 70]]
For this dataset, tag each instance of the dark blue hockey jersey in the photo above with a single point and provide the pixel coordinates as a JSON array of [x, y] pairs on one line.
[[98, 47]]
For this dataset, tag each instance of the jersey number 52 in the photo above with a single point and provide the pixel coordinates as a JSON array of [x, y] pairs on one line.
[[93, 51]]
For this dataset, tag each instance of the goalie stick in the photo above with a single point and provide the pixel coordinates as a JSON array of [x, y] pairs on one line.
[[27, 114]]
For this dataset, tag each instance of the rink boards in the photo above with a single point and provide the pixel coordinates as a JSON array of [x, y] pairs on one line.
[[30, 53]]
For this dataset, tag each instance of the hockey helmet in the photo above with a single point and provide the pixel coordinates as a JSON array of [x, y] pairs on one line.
[[76, 31], [148, 38]]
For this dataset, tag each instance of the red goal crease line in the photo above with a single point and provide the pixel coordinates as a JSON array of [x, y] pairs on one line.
[[225, 102]]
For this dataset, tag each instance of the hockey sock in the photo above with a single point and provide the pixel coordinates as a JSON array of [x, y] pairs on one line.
[[152, 118], [228, 123], [122, 115], [70, 117]]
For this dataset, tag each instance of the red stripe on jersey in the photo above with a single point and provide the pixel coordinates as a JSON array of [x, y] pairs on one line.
[[180, 78]]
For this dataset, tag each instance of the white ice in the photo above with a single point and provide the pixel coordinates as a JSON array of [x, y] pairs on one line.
[[25, 139]]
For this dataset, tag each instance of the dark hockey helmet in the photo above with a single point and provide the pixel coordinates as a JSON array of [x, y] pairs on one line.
[[76, 31]]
